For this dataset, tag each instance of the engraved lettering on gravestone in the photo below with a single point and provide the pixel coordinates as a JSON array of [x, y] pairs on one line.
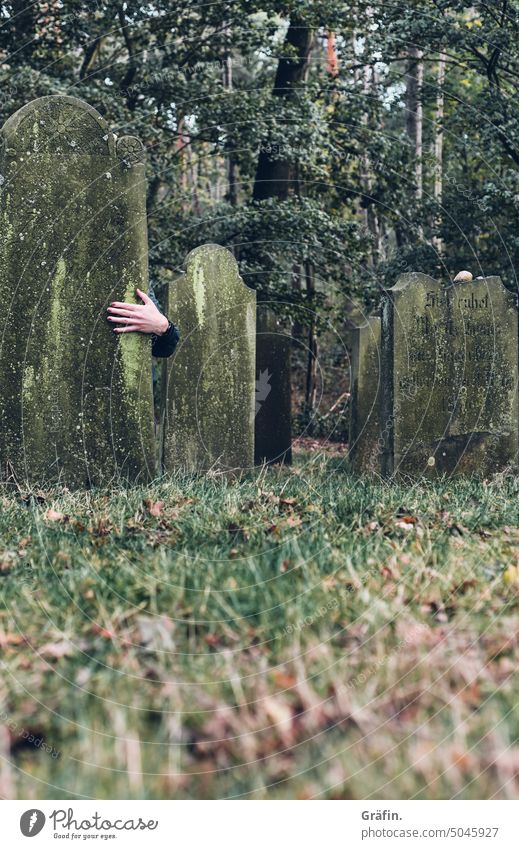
[[458, 355]]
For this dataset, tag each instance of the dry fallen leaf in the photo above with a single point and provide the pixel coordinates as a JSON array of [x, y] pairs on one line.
[[511, 576], [404, 526], [52, 515], [155, 508], [54, 651], [101, 631], [10, 639], [293, 521]]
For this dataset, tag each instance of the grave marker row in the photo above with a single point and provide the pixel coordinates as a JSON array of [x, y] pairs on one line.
[[76, 402]]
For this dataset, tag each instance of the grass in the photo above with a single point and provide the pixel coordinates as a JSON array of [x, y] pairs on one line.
[[297, 634]]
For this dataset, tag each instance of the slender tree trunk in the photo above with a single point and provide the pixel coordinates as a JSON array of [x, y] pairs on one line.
[[22, 25], [182, 149], [331, 55], [91, 53], [414, 114], [274, 176], [313, 348], [231, 167], [438, 149], [419, 134], [366, 179]]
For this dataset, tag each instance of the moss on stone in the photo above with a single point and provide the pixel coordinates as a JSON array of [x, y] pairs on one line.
[[75, 399], [211, 377], [450, 377]]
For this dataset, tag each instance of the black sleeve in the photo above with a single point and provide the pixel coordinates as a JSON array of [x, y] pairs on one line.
[[163, 346]]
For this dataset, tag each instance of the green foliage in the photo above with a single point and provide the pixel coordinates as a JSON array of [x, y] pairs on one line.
[[196, 82]]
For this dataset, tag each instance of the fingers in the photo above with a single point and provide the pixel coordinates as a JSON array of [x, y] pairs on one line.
[[118, 305], [135, 320], [130, 328], [133, 314], [144, 296]]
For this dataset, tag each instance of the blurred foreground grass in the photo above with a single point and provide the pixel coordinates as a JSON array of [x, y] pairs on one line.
[[299, 633]]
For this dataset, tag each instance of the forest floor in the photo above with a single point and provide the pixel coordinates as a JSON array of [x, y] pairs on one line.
[[297, 634]]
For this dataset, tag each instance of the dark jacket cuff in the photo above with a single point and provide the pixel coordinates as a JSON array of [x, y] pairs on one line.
[[163, 346]]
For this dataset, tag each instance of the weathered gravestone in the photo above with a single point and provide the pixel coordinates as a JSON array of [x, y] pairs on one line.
[[365, 446], [483, 427], [273, 431], [210, 380], [449, 377], [75, 398]]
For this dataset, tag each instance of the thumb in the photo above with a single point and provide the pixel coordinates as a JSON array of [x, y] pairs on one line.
[[143, 296]]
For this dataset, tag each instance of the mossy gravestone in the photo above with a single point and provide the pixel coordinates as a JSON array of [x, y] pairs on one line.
[[483, 423], [210, 382], [75, 398], [365, 446], [273, 432], [449, 377]]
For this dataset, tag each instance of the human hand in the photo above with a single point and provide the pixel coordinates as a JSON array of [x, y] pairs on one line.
[[144, 318]]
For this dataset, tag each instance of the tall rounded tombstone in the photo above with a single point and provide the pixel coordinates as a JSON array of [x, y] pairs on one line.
[[75, 398], [273, 408], [210, 380], [415, 375]]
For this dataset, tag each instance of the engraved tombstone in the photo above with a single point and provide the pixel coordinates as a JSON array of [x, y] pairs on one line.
[[272, 437], [365, 448], [210, 380], [449, 377], [483, 406], [415, 379], [75, 398]]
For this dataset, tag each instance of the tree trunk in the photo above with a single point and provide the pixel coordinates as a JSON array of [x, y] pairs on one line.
[[274, 175], [231, 195], [182, 151], [22, 24], [366, 178], [438, 150], [414, 114], [331, 55], [313, 351]]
